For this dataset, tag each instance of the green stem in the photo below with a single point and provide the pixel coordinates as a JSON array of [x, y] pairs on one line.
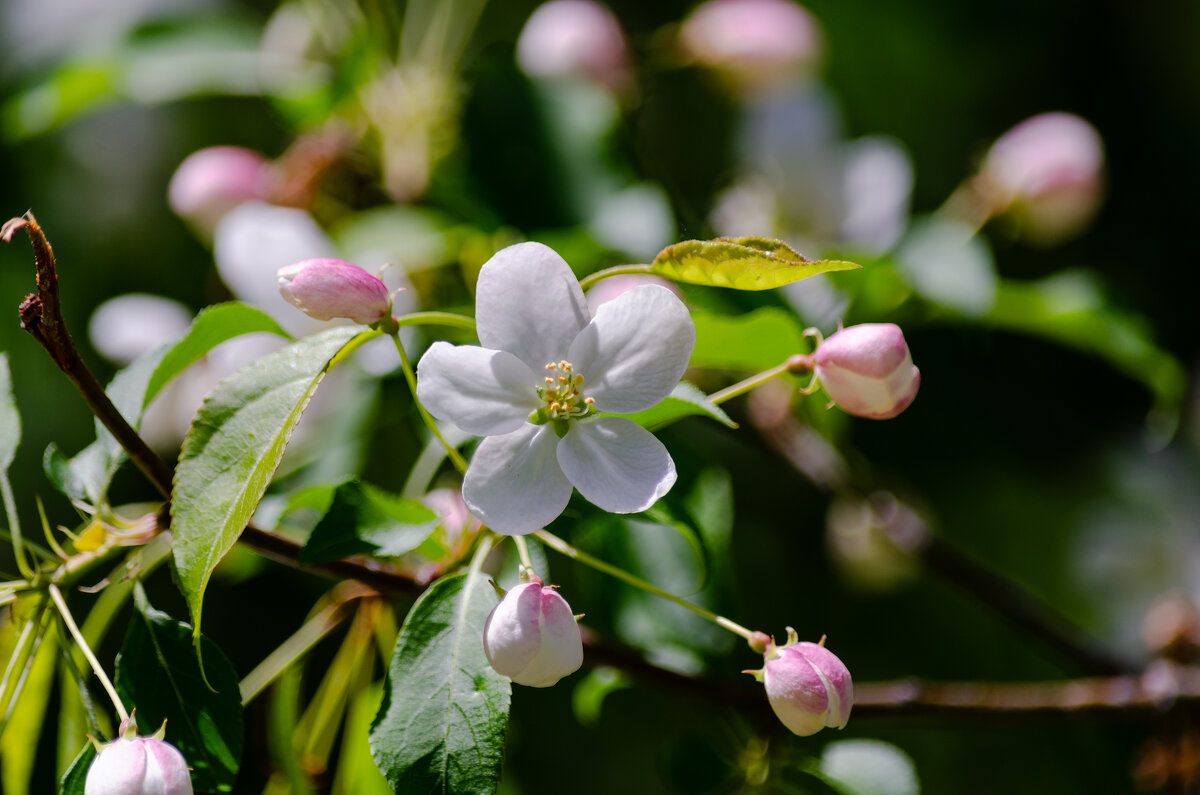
[[327, 619], [87, 651], [460, 463], [523, 552], [14, 527], [795, 364], [18, 658], [436, 319], [481, 552], [619, 270], [562, 547]]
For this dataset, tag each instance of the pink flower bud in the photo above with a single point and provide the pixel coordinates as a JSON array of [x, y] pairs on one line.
[[532, 636], [759, 44], [1048, 169], [574, 37], [867, 370], [211, 182], [132, 765], [808, 687], [329, 288]]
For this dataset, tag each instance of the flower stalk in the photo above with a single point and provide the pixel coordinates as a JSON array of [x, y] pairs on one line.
[[619, 270], [456, 458], [757, 640], [69, 622], [796, 365]]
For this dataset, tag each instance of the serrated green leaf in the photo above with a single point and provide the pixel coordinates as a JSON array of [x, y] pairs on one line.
[[213, 326], [741, 263], [76, 776], [754, 341], [159, 674], [364, 520], [233, 447], [444, 718], [685, 400], [10, 418]]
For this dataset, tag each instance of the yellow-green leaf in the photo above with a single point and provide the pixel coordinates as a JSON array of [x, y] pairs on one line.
[[741, 263]]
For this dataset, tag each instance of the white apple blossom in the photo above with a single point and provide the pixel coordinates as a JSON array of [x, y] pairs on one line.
[[544, 383]]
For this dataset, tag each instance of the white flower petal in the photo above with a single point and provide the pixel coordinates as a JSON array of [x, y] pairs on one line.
[[635, 350], [616, 464], [514, 483], [484, 392], [529, 303]]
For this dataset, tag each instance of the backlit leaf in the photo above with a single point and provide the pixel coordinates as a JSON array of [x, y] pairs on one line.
[[741, 263], [233, 447]]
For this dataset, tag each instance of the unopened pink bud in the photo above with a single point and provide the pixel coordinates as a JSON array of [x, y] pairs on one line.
[[1048, 169], [757, 43], [329, 288], [532, 636], [808, 687], [132, 765], [574, 37], [867, 370], [211, 182]]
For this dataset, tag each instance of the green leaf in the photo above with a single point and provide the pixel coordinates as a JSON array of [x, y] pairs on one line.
[[233, 447], [685, 400], [442, 725], [76, 88], [19, 739], [754, 341], [356, 770], [88, 475], [213, 326], [364, 520], [10, 418], [742, 263], [76, 776], [182, 57], [159, 674]]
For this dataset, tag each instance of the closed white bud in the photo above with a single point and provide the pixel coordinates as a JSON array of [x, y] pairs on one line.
[[532, 636], [132, 765]]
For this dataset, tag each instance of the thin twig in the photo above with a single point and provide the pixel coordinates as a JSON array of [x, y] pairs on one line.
[[41, 316]]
